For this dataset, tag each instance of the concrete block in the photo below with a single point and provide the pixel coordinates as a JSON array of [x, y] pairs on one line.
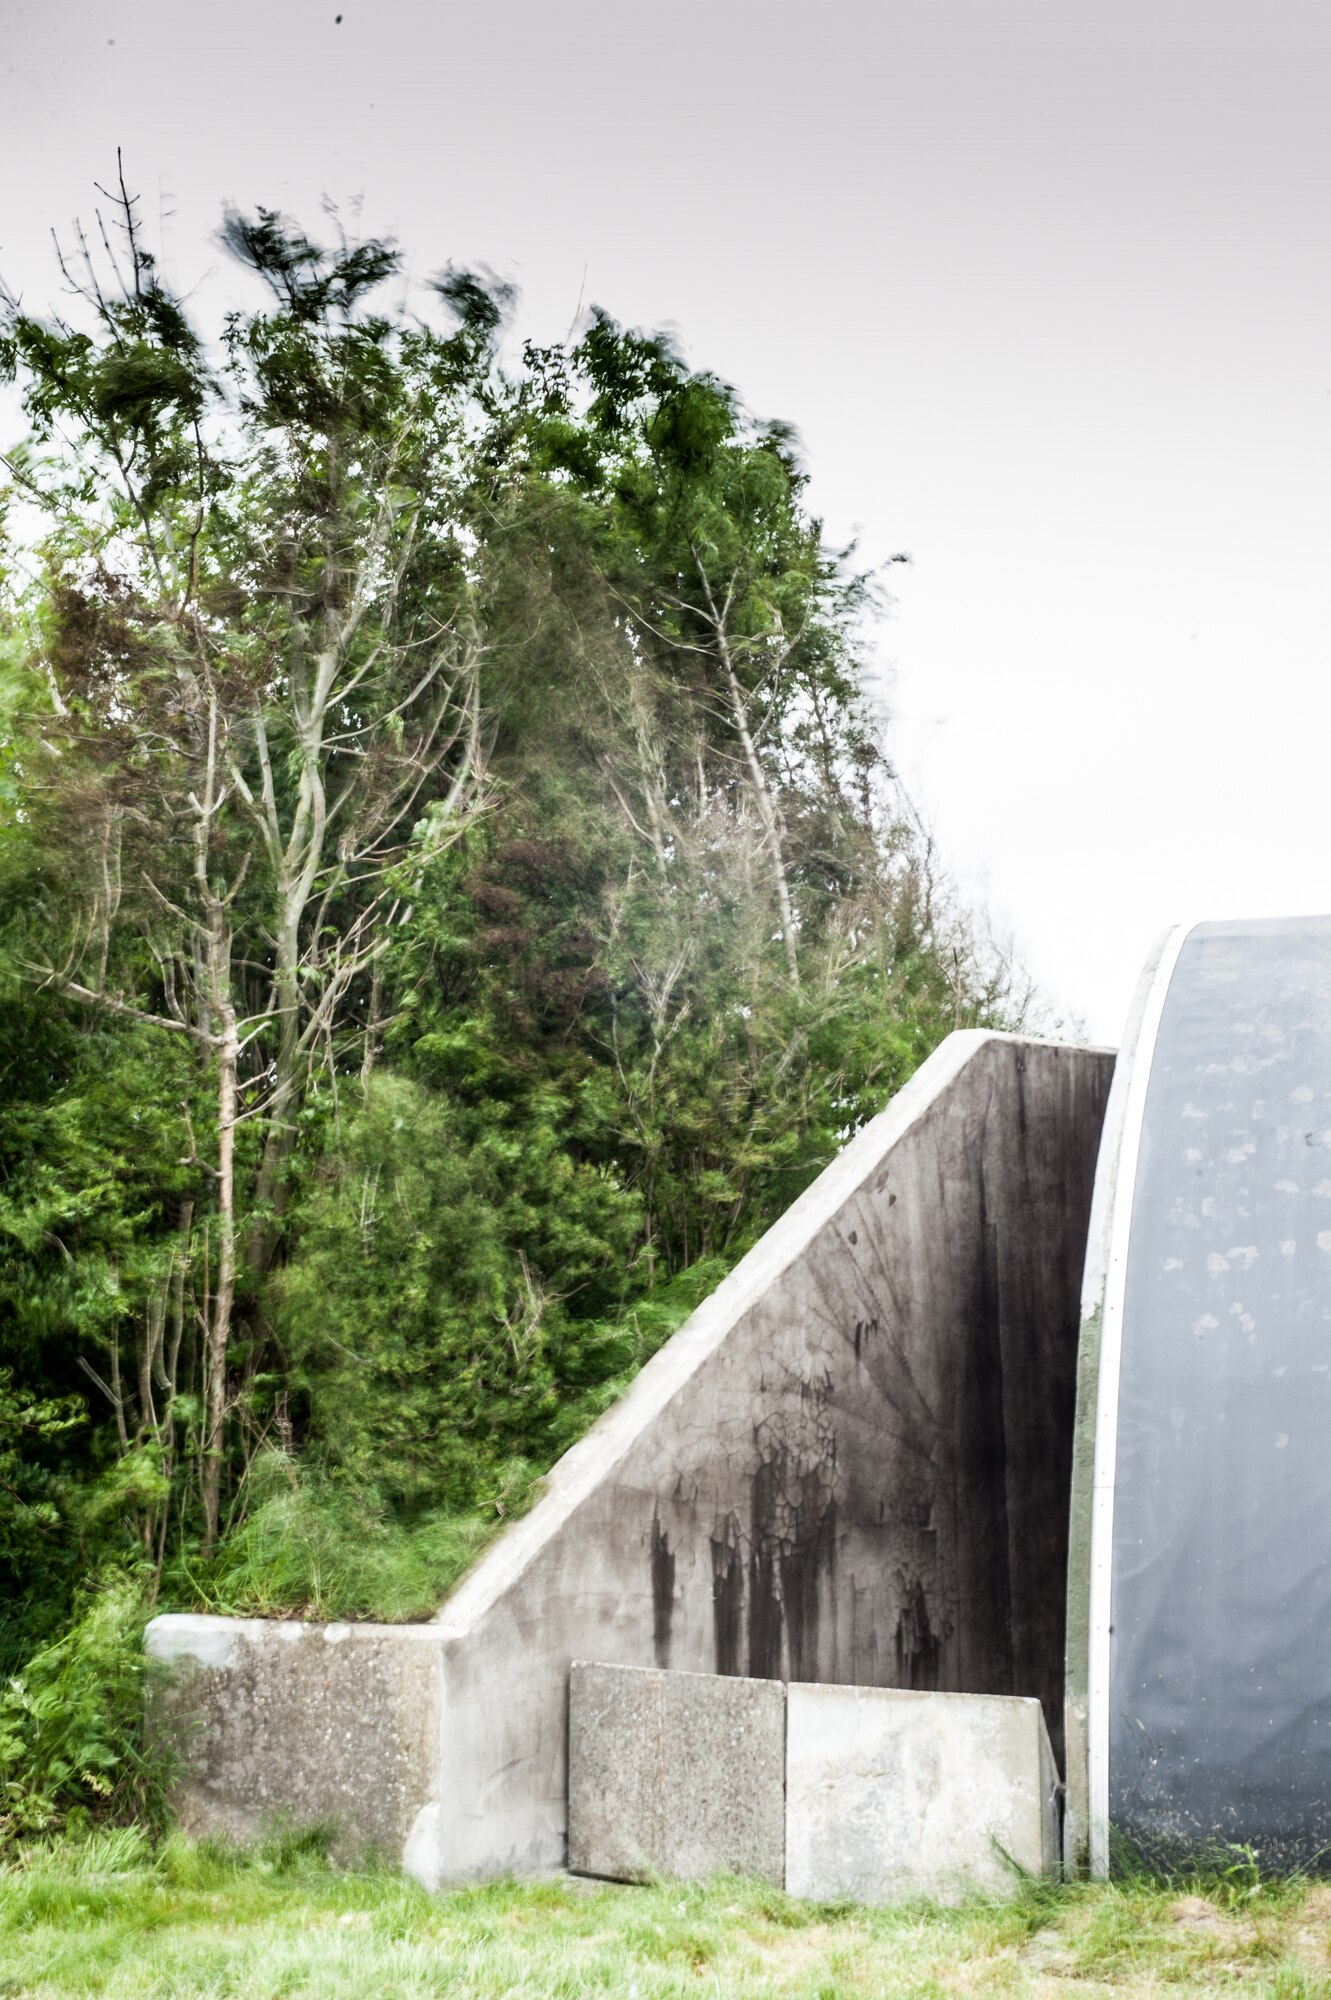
[[893, 1793], [276, 1720], [675, 1774]]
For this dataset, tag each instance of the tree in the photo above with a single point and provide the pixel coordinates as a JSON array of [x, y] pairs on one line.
[[260, 660], [460, 895]]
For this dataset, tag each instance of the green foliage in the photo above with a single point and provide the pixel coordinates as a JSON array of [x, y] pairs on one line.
[[71, 1722], [426, 1311], [27, 1423], [318, 1546]]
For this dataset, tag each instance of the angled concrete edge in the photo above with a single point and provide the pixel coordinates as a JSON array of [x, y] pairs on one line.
[[586, 1464]]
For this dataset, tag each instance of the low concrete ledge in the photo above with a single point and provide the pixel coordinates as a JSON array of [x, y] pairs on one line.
[[278, 1721], [892, 1793], [873, 1793], [675, 1774]]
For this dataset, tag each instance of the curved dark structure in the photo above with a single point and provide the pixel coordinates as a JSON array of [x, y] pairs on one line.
[[1199, 1641]]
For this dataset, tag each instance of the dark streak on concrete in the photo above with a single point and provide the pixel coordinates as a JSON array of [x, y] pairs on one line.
[[663, 1591], [728, 1595], [918, 1647]]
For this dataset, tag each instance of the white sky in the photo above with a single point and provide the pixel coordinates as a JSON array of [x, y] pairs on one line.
[[1044, 284]]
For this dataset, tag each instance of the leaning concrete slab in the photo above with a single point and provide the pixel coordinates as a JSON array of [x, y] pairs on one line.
[[675, 1774], [332, 1724], [891, 1794], [851, 1465]]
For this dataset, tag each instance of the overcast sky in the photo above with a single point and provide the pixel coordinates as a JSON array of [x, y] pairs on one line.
[[1046, 289]]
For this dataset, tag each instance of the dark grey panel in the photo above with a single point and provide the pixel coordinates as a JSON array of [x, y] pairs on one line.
[[1220, 1657]]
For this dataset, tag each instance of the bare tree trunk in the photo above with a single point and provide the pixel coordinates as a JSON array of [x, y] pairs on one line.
[[219, 1321], [373, 1024], [767, 813]]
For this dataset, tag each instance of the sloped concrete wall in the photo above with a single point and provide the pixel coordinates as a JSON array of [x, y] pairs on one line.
[[850, 1466]]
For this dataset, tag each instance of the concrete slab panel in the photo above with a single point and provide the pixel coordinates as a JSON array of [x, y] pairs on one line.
[[892, 1793], [307, 1724], [675, 1774]]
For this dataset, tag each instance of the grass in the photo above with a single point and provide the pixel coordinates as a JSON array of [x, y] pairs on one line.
[[112, 1916], [313, 1544]]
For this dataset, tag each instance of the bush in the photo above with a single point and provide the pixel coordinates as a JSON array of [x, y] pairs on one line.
[[72, 1738]]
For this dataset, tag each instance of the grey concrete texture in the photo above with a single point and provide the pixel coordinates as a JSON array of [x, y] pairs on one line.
[[850, 1466], [277, 1722], [675, 1774], [892, 1793]]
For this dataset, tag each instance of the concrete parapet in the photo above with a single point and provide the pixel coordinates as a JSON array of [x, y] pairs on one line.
[[892, 1793], [277, 1721], [675, 1774]]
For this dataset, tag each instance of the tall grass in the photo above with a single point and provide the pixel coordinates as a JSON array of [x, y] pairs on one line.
[[316, 1547], [312, 1543]]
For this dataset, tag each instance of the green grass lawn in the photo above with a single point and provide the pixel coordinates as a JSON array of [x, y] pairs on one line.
[[114, 1917]]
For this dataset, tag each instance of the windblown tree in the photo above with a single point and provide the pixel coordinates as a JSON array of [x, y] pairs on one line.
[[261, 655]]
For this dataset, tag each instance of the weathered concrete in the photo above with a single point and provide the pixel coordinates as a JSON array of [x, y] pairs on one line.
[[675, 1774], [873, 1793], [333, 1724], [850, 1466], [892, 1794]]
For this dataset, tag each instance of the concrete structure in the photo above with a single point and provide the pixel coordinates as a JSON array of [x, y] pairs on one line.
[[1199, 1680], [314, 1724], [675, 1774], [873, 1793], [891, 1793], [850, 1466]]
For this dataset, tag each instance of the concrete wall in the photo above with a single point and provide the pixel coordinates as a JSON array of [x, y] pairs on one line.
[[333, 1724], [850, 1466], [873, 1793], [892, 1793], [675, 1774]]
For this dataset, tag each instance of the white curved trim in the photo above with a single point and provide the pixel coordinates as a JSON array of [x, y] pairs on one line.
[[1123, 1187]]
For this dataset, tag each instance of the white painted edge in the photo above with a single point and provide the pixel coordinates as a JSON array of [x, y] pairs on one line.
[[586, 1464], [1105, 1279]]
